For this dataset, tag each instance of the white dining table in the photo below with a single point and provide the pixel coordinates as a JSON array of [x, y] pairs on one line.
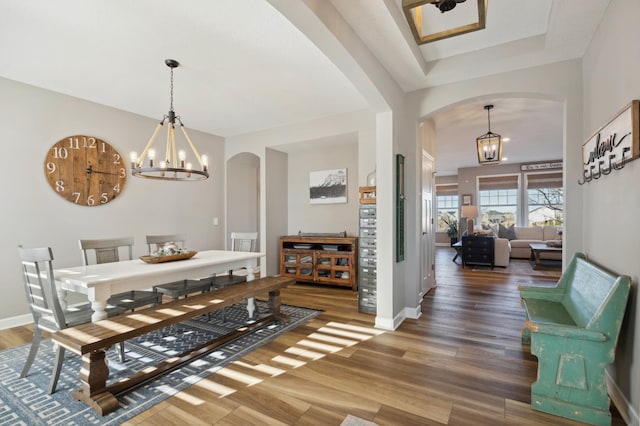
[[100, 281]]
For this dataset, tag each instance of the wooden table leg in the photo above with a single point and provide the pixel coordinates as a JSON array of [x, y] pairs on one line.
[[274, 305], [93, 375], [535, 256]]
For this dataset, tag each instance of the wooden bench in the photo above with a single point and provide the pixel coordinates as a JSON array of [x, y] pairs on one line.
[[573, 329], [92, 339]]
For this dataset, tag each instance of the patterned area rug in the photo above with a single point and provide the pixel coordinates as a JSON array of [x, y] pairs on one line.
[[524, 267], [26, 402]]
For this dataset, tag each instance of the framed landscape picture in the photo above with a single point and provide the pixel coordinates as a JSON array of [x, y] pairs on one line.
[[328, 186]]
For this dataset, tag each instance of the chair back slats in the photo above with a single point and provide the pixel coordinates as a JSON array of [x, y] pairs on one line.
[[244, 241], [154, 242], [106, 250], [39, 284]]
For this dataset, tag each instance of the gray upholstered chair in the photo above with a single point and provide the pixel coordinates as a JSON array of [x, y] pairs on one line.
[[108, 250], [180, 288], [46, 309]]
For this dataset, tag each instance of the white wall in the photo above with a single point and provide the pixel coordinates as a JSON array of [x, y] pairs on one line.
[[307, 217], [243, 194], [275, 207], [269, 145], [611, 204], [33, 215]]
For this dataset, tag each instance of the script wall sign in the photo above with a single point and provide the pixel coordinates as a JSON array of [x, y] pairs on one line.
[[613, 145]]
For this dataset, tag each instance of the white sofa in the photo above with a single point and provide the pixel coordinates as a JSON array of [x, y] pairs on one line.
[[501, 252], [501, 247], [518, 247], [526, 235]]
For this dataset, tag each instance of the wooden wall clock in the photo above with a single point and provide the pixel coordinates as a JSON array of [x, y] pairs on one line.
[[85, 170]]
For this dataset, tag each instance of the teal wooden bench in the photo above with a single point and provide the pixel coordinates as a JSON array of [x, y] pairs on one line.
[[573, 329]]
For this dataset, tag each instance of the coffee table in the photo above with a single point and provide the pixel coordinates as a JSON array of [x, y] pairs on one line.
[[537, 249]]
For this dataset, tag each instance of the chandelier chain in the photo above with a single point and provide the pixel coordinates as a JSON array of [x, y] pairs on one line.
[[171, 88]]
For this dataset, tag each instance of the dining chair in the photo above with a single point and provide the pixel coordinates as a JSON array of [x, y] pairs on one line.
[[155, 242], [180, 288], [240, 241], [108, 250], [46, 309]]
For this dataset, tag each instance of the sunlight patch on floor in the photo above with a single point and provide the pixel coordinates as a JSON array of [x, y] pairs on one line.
[[263, 368], [215, 388], [305, 353], [238, 376], [288, 361]]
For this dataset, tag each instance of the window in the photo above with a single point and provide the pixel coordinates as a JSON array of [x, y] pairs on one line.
[[545, 199], [447, 211], [498, 199], [447, 203]]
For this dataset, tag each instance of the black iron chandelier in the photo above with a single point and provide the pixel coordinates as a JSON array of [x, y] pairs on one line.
[[489, 144], [174, 165]]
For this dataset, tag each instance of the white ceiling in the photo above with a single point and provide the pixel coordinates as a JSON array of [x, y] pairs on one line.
[[533, 127], [244, 67]]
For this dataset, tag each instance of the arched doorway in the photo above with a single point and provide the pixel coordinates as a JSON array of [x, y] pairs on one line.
[[243, 194]]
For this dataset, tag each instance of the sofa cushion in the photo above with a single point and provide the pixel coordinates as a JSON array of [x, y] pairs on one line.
[[524, 243], [507, 233], [529, 233], [550, 233]]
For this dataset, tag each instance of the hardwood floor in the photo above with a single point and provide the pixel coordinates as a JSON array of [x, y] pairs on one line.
[[460, 363]]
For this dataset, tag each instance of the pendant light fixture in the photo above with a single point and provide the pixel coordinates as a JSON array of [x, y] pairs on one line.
[[174, 164], [489, 144]]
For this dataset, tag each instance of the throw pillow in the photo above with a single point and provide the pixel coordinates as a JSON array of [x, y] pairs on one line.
[[508, 233], [489, 230]]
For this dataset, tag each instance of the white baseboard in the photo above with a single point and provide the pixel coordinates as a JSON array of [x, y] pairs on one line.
[[384, 324], [628, 413], [390, 324], [15, 321], [413, 313]]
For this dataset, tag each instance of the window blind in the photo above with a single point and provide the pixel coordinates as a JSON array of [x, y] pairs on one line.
[[498, 182], [544, 180], [447, 189]]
